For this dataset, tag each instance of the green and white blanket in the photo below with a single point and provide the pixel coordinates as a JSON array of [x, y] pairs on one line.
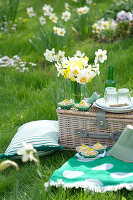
[[98, 175]]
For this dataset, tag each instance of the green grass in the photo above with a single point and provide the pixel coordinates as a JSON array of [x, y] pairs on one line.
[[33, 95]]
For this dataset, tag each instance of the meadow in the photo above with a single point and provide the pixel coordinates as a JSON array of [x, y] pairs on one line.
[[34, 94]]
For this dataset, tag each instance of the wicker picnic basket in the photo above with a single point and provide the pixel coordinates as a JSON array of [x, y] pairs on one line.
[[77, 128]]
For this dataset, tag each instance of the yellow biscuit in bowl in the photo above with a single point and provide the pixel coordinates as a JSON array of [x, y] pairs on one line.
[[82, 148], [98, 146], [90, 152]]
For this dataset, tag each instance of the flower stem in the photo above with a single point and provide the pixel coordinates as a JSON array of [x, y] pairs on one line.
[[16, 185]]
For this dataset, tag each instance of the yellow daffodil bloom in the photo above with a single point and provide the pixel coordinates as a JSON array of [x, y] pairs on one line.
[[89, 80], [83, 80], [75, 72]]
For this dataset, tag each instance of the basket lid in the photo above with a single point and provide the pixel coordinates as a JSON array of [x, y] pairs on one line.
[[92, 112]]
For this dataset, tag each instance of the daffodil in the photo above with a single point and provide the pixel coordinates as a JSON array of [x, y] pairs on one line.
[[50, 55], [53, 18], [100, 56], [67, 6], [55, 29], [66, 72], [42, 20], [82, 10], [27, 152], [66, 16], [60, 55], [77, 68], [85, 10], [103, 25], [88, 1], [96, 68], [79, 54], [47, 10], [31, 12], [61, 31]]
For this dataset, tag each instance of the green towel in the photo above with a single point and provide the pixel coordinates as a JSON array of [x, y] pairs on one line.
[[99, 175]]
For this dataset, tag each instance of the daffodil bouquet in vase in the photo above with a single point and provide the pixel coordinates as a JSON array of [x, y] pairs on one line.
[[80, 72]]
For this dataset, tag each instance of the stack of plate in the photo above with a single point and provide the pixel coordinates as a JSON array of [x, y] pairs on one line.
[[100, 103]]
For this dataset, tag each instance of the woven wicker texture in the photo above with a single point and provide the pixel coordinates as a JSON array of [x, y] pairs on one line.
[[71, 120]]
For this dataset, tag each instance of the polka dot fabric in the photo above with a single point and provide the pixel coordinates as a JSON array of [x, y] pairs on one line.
[[100, 175]]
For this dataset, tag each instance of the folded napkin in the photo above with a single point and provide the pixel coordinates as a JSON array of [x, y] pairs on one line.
[[93, 98]]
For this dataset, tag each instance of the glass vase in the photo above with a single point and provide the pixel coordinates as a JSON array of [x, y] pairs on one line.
[[78, 91]]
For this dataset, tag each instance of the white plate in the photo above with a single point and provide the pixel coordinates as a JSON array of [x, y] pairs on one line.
[[114, 110], [101, 103]]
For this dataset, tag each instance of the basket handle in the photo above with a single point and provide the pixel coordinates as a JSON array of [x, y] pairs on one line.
[[84, 133]]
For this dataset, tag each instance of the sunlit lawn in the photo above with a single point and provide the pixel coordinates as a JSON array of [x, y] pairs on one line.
[[34, 95]]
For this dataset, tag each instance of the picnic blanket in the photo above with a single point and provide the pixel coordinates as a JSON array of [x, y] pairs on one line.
[[98, 175]]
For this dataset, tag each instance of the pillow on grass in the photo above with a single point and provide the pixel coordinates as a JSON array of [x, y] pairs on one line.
[[42, 134]]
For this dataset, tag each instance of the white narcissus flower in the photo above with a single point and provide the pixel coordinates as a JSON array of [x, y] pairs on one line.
[[67, 6], [100, 56], [50, 55], [31, 12], [27, 152], [66, 16], [59, 69], [53, 18], [74, 71], [79, 54], [61, 55], [96, 69], [7, 163], [61, 31], [94, 26], [42, 20], [47, 10], [77, 68], [104, 25], [82, 76], [55, 29], [88, 1], [92, 74], [55, 58], [82, 10], [85, 10]]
